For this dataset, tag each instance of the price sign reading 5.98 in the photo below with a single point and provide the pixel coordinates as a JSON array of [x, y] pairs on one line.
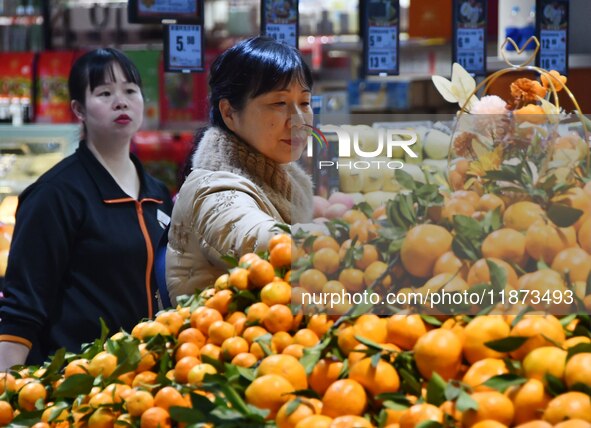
[[382, 49], [184, 51]]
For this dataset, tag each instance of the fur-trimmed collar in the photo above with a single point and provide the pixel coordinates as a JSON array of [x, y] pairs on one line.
[[288, 187]]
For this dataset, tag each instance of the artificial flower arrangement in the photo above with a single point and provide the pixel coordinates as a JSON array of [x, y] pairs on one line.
[[523, 145]]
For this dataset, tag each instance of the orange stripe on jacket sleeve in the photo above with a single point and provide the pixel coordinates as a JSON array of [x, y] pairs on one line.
[[15, 339]]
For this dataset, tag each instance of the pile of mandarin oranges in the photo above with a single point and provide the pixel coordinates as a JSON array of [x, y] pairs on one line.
[[247, 351]]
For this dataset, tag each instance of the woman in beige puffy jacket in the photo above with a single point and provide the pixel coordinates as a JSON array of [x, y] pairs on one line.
[[244, 178]]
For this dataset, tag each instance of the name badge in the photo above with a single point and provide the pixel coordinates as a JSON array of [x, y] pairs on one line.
[[163, 218]]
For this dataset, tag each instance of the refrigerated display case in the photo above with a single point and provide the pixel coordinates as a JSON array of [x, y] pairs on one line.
[[26, 152]]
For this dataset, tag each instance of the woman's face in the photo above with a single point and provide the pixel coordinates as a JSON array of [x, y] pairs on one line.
[[274, 123], [113, 111]]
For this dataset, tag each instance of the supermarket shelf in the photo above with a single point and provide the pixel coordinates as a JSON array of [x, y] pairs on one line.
[[574, 61], [91, 3], [15, 186]]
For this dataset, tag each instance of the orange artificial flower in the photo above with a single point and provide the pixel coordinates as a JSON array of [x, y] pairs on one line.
[[557, 79], [463, 144], [527, 91], [531, 113]]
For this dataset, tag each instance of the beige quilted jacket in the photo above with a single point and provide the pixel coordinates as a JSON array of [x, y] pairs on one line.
[[227, 206]]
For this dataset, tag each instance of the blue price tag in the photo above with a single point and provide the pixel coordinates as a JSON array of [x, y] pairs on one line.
[[280, 20], [382, 52], [552, 32], [183, 48], [469, 35], [284, 33], [381, 37]]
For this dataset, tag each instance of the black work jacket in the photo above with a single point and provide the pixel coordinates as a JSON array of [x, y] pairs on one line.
[[82, 250]]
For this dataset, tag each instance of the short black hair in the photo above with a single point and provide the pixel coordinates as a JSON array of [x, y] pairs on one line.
[[92, 68], [251, 68]]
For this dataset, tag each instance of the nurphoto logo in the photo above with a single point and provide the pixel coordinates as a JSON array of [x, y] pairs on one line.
[[349, 146]]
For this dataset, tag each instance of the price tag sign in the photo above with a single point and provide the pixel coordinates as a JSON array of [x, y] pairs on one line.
[[183, 48], [381, 37], [469, 35], [280, 20], [552, 32], [284, 33]]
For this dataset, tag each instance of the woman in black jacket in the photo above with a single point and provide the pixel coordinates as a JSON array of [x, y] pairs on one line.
[[85, 233]]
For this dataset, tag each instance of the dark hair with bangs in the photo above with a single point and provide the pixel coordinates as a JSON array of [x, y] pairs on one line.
[[251, 68], [95, 67]]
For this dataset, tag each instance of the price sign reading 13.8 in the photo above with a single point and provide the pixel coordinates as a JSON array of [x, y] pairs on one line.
[[184, 48], [382, 49], [380, 37]]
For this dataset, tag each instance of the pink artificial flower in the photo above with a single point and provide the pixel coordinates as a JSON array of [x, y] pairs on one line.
[[489, 104]]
